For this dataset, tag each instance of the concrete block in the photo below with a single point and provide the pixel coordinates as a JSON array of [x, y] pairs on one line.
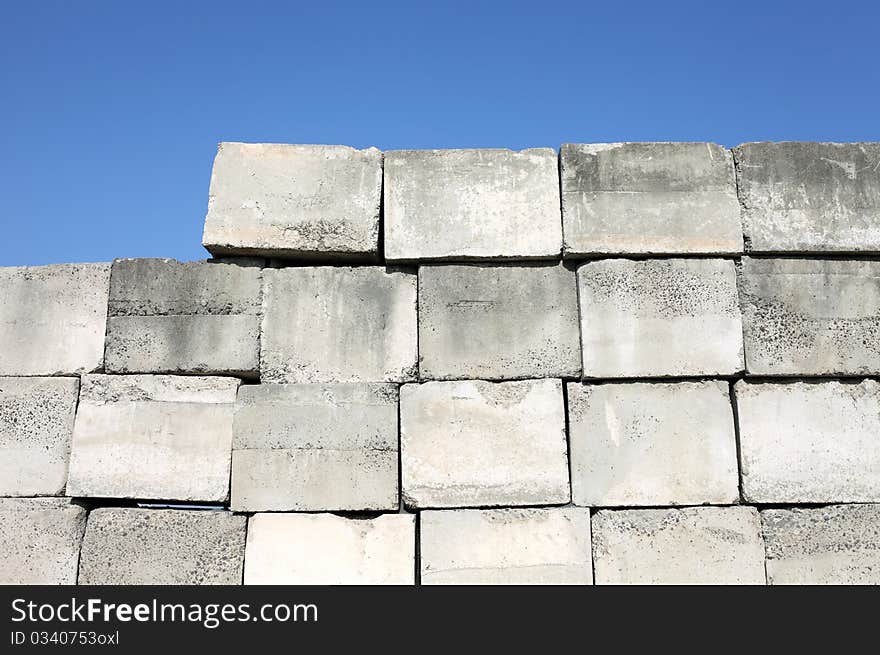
[[324, 549], [53, 319], [339, 324], [36, 423], [40, 540], [652, 444], [659, 318], [158, 437], [477, 444], [133, 546], [472, 204], [810, 442], [304, 201], [839, 544], [506, 546], [173, 317], [649, 198], [811, 317], [498, 322], [306, 447], [810, 197], [692, 545]]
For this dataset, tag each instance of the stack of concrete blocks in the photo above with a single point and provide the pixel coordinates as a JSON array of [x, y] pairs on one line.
[[625, 363]]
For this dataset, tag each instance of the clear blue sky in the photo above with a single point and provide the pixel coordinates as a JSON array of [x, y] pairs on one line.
[[111, 111]]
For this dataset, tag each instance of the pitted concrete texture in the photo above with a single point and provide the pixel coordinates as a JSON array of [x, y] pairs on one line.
[[693, 545], [476, 444], [315, 447], [649, 198], [36, 423], [53, 319], [173, 317], [650, 444], [304, 201], [472, 204], [659, 318], [339, 324], [839, 544], [324, 549], [506, 546], [40, 540], [158, 437], [131, 546], [810, 197], [498, 322], [805, 442], [811, 317]]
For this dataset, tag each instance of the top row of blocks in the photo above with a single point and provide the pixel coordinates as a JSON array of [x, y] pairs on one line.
[[315, 202]]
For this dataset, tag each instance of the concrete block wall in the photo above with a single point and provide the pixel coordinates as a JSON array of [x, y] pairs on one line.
[[622, 363]]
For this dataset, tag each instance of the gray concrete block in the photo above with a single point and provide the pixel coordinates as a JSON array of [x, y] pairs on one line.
[[810, 197], [659, 318], [498, 322], [40, 540], [839, 544], [53, 319], [36, 423], [324, 549], [811, 317], [133, 546], [339, 324], [477, 444], [306, 447], [693, 545], [472, 204], [810, 442], [652, 444], [303, 201], [649, 198], [158, 437], [506, 546]]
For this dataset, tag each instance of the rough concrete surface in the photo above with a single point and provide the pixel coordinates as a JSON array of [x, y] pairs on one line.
[[305, 201], [475, 443], [506, 546], [649, 198], [652, 444], [53, 319], [324, 549], [472, 204], [498, 322]]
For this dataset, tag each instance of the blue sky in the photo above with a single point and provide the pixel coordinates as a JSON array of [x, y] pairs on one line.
[[111, 111]]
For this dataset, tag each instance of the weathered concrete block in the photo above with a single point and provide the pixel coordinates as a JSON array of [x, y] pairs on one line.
[[811, 317], [649, 198], [153, 437], [53, 319], [305, 201], [652, 444], [640, 318], [810, 443], [506, 546], [692, 545], [311, 447], [324, 549], [810, 197], [839, 544], [162, 546], [472, 204], [339, 324], [498, 322], [173, 317], [40, 540], [475, 443]]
